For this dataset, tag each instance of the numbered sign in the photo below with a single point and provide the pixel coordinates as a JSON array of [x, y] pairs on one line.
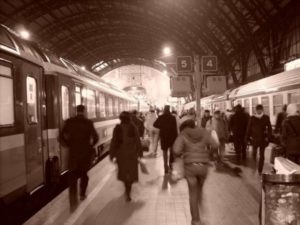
[[184, 64], [209, 63]]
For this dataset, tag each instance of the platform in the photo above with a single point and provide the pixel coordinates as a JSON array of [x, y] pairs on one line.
[[231, 197]]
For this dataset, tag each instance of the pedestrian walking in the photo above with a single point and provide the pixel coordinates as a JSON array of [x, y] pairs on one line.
[[138, 123], [238, 123], [259, 131], [291, 133], [152, 131], [126, 150], [219, 124], [166, 123], [279, 120], [206, 117], [79, 136], [191, 144]]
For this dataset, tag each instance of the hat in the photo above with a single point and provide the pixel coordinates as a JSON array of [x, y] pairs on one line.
[[292, 110], [217, 109]]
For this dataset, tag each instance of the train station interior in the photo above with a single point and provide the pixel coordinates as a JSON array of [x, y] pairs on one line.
[[207, 92]]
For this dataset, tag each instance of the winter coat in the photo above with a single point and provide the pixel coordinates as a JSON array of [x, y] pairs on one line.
[[238, 124], [291, 134], [150, 119], [139, 125], [126, 148], [279, 120], [79, 136], [259, 129], [166, 123], [220, 126], [192, 143]]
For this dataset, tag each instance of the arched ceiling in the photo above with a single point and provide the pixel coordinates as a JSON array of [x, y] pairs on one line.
[[121, 32]]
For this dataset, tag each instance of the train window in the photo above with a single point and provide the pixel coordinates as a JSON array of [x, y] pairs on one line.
[[116, 107], [239, 102], [277, 103], [121, 105], [294, 98], [78, 95], [247, 105], [91, 103], [5, 39], [266, 104], [254, 104], [65, 102], [31, 89], [6, 96], [110, 110], [102, 105]]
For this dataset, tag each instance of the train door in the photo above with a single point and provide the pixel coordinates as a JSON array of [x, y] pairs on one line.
[[66, 93], [33, 127]]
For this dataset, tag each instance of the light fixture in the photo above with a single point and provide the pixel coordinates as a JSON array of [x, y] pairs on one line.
[[167, 51], [83, 67], [24, 34]]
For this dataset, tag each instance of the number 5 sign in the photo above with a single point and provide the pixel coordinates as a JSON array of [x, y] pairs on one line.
[[184, 64], [209, 63]]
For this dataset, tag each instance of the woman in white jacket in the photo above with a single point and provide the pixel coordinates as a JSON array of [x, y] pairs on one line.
[[153, 132]]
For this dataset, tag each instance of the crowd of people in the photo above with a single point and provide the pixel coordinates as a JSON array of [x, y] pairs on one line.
[[180, 138]]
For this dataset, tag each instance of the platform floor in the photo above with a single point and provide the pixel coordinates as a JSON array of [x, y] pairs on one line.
[[231, 197]]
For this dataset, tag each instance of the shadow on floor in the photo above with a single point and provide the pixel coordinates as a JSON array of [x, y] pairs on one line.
[[121, 210]]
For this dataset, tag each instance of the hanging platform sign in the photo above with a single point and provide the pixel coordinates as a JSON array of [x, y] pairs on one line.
[[209, 63], [181, 86], [214, 84], [184, 64]]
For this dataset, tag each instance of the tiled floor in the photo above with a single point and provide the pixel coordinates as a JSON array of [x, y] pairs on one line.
[[231, 197]]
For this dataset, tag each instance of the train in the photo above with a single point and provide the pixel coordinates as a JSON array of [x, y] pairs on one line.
[[272, 92], [38, 92]]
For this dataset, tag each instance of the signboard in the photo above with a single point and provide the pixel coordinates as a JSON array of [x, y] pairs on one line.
[[215, 84], [184, 64], [181, 86], [209, 63]]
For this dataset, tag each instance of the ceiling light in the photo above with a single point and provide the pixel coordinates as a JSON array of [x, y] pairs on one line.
[[83, 67], [167, 51], [24, 34]]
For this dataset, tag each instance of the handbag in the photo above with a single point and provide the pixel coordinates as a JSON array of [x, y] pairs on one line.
[[145, 145], [143, 166], [293, 143], [178, 169]]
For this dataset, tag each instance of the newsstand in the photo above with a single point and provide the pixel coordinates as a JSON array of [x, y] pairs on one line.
[[280, 199]]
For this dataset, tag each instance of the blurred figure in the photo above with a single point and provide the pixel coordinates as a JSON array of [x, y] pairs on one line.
[[138, 123], [219, 124], [126, 148], [166, 124], [291, 133], [192, 144], [279, 120], [153, 132], [174, 113], [192, 113], [79, 136], [238, 124], [259, 130], [206, 117]]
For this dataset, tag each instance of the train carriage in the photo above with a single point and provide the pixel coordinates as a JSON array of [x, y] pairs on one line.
[[38, 92]]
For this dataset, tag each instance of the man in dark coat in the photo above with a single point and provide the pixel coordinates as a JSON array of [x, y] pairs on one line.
[[279, 120], [260, 131], [138, 123], [79, 136], [238, 123], [206, 117], [166, 123]]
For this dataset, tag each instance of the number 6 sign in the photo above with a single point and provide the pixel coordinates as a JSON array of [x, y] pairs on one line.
[[209, 63], [184, 64]]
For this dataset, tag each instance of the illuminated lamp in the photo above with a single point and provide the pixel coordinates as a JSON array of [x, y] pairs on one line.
[[24, 34]]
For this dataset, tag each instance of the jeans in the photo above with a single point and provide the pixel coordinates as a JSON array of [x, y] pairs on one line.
[[168, 158], [240, 147], [74, 175], [261, 160], [195, 176]]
